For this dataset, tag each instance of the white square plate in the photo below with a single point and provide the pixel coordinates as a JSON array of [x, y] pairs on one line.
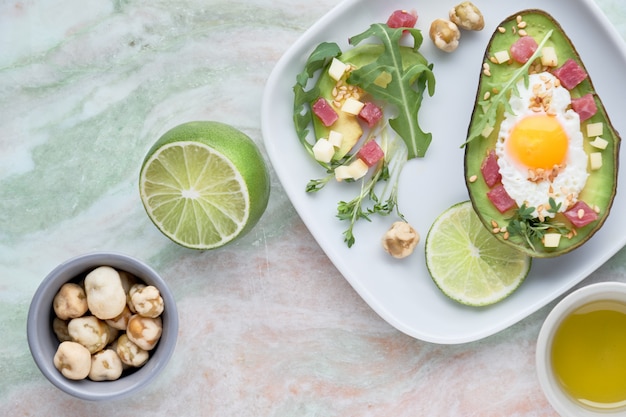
[[401, 291]]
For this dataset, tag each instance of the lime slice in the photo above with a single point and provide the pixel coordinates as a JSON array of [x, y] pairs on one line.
[[203, 184], [468, 263]]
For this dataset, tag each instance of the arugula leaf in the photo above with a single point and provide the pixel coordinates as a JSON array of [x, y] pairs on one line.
[[404, 90], [492, 105], [302, 113]]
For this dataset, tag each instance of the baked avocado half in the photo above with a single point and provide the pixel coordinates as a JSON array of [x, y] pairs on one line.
[[542, 184]]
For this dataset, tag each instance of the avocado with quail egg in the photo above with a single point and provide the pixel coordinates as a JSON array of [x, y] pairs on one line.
[[541, 155]]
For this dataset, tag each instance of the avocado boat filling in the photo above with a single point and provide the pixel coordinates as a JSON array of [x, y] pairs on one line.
[[541, 155]]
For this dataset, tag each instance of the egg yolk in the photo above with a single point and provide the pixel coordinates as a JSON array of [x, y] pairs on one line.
[[538, 142]]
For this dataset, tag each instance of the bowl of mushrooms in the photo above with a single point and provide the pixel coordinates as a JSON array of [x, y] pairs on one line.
[[102, 325]]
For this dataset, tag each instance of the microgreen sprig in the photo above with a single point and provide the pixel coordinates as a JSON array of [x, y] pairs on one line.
[[532, 229]]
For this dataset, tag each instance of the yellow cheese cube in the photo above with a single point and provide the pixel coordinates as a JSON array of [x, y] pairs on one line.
[[599, 143], [335, 138], [551, 240], [323, 150], [336, 69], [502, 56], [358, 168], [549, 57], [595, 129], [595, 160], [352, 106]]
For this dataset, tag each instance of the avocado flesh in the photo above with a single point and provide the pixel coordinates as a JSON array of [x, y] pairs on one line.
[[601, 184], [348, 124]]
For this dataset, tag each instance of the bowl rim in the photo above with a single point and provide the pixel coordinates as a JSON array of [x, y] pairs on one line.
[[39, 337], [611, 290]]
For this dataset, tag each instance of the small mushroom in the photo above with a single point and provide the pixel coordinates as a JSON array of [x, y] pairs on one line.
[[70, 301], [148, 301], [59, 327], [445, 35], [129, 297], [400, 240], [145, 332], [120, 322], [90, 332], [73, 360], [467, 16], [105, 294], [105, 366], [129, 353]]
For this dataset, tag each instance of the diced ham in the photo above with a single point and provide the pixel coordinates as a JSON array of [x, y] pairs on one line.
[[500, 198], [523, 49], [585, 106], [570, 74], [325, 112], [370, 114], [490, 169], [402, 19], [370, 153], [580, 214]]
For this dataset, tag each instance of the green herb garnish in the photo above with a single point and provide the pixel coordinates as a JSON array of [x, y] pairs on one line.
[[491, 106], [532, 229]]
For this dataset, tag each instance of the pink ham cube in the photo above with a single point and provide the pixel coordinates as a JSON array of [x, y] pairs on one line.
[[370, 153], [490, 169], [580, 214], [570, 74], [370, 114], [325, 112], [585, 106], [500, 198]]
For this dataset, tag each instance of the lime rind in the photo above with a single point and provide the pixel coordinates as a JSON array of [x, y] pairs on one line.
[[467, 263]]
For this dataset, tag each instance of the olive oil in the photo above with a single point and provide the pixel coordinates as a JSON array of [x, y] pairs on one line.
[[589, 354]]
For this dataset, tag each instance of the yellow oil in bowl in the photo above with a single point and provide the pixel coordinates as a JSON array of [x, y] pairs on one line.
[[589, 354]]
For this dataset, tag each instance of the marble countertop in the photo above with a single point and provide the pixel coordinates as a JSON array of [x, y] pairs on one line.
[[87, 86]]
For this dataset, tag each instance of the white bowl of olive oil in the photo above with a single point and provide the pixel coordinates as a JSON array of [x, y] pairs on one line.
[[581, 352]]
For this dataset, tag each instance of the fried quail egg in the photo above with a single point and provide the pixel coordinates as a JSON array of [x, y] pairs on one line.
[[540, 146]]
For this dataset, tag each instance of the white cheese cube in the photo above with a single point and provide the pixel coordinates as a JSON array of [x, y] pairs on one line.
[[502, 56], [323, 150], [358, 168], [352, 106], [337, 69], [335, 138], [595, 129], [487, 131], [549, 57], [551, 240], [599, 143], [342, 173], [595, 160]]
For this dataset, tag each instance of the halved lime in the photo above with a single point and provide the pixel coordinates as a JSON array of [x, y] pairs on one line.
[[204, 183], [468, 263]]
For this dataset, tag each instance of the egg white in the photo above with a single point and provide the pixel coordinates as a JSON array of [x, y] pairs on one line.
[[570, 181]]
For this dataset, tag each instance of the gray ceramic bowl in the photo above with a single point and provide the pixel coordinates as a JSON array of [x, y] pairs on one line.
[[43, 342]]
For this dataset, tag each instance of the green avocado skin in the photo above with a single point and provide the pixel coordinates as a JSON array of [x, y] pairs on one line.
[[601, 185]]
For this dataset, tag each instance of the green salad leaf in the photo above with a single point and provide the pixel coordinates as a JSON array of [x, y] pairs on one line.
[[406, 87], [491, 106], [401, 93]]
